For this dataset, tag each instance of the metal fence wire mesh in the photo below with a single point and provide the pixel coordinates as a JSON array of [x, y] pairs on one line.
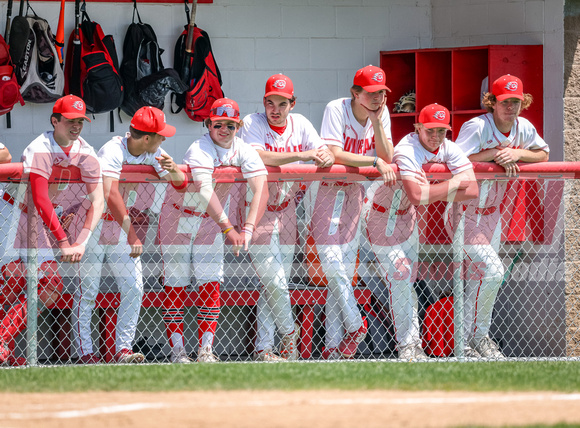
[[496, 277]]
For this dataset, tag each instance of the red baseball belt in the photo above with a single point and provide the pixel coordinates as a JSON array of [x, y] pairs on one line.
[[191, 212], [383, 210], [484, 210], [275, 208]]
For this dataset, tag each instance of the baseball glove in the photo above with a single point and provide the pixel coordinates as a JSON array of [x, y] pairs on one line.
[[406, 103]]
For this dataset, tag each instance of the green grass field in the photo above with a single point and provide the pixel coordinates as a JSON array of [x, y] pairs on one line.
[[559, 376]]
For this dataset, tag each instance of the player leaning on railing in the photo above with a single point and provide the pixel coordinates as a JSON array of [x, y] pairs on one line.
[[281, 138], [115, 237], [357, 131], [397, 251], [499, 136], [61, 147], [219, 147]]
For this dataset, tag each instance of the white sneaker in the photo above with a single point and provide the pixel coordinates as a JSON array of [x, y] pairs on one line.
[[469, 352], [412, 352], [289, 345], [488, 348], [205, 355], [268, 356], [180, 357]]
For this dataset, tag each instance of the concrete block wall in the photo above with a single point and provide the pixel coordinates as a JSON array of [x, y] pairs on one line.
[[318, 43], [528, 22]]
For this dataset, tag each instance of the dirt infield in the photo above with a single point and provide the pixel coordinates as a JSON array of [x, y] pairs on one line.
[[286, 409]]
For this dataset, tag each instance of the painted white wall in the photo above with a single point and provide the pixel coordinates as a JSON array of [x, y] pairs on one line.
[[501, 22], [318, 43]]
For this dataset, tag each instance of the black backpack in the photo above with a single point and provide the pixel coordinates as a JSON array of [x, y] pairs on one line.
[[147, 82], [91, 67], [203, 77], [36, 63]]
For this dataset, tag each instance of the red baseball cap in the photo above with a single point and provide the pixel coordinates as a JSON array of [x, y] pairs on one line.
[[371, 79], [71, 107], [151, 119], [278, 84], [225, 109], [434, 116], [508, 86]]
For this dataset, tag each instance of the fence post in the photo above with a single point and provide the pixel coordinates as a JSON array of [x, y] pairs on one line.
[[457, 247], [31, 282]]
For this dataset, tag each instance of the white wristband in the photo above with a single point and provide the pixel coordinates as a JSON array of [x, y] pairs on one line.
[[86, 241]]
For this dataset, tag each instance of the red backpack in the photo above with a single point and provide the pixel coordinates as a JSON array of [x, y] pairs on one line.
[[92, 67], [9, 88], [204, 79]]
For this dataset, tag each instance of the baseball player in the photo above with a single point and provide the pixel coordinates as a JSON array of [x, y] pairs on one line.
[[357, 131], [499, 136], [391, 222], [61, 147], [203, 244], [116, 238], [280, 137]]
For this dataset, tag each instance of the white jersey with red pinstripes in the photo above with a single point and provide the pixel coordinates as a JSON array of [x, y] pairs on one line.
[[340, 128], [43, 153], [114, 154], [203, 156], [480, 133], [410, 156], [299, 135]]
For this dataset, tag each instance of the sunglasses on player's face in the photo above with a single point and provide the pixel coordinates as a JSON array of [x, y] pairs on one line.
[[231, 127], [224, 111]]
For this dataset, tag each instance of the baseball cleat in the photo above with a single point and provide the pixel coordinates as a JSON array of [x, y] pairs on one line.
[[4, 354], [89, 359], [331, 354], [469, 352], [205, 355], [487, 348], [412, 352], [126, 356], [268, 356], [289, 345], [180, 357], [16, 361], [349, 344]]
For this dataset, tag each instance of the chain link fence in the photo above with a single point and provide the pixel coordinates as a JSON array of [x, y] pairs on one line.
[[492, 278]]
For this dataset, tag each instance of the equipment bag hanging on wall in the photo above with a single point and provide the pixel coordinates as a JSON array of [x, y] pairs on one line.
[[147, 82], [92, 65], [195, 63], [33, 51]]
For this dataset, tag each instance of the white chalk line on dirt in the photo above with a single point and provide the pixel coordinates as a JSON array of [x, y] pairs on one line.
[[68, 414], [479, 399]]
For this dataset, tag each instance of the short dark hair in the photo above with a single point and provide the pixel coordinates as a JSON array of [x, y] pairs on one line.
[[57, 116], [137, 134]]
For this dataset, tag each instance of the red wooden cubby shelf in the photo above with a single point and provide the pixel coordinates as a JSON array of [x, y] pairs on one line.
[[453, 77]]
